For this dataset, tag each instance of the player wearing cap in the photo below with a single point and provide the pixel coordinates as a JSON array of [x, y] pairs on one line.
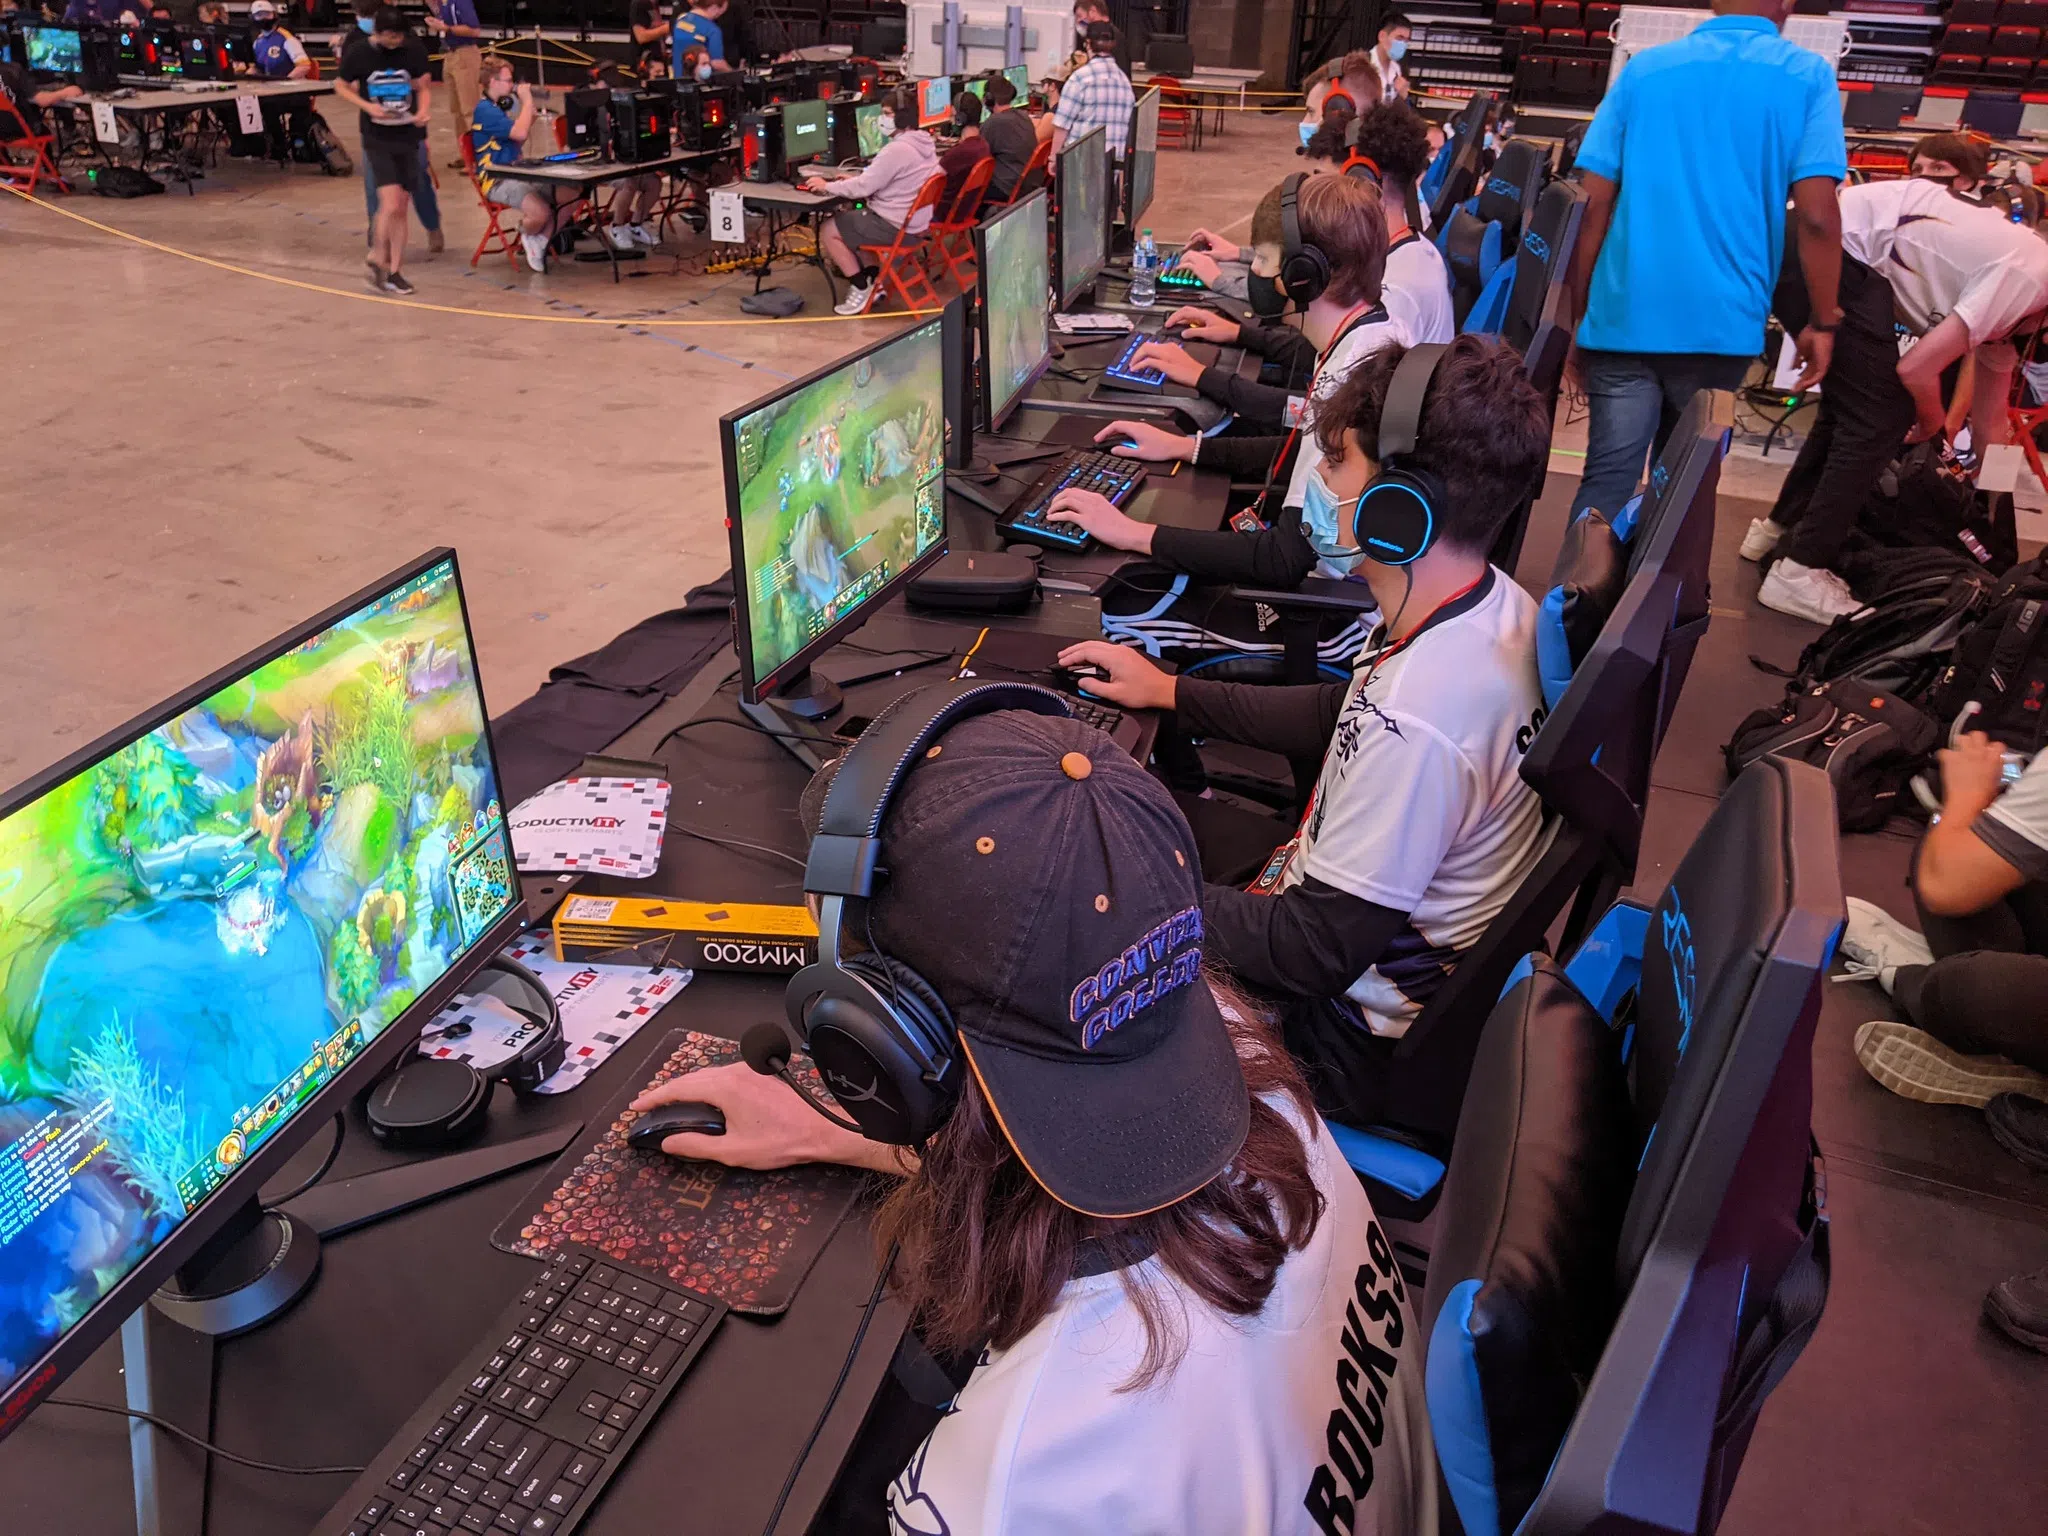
[[279, 54], [1184, 1314], [1421, 826]]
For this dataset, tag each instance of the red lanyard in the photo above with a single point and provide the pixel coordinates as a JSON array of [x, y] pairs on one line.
[[1315, 375]]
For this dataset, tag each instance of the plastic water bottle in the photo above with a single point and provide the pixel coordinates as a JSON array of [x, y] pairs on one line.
[[1144, 271]]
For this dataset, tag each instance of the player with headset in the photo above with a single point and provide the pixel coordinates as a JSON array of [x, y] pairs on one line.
[[1112, 1175], [1420, 827], [1390, 148]]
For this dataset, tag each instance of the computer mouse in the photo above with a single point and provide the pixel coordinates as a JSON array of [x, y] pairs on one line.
[[688, 1118], [1081, 672]]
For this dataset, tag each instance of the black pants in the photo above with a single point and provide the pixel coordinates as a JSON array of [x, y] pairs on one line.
[[1864, 415], [1987, 991]]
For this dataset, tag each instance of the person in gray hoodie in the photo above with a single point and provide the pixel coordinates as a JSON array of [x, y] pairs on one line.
[[887, 190]]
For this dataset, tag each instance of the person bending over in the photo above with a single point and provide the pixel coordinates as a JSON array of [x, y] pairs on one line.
[[1688, 166], [1011, 136], [1182, 1312], [498, 133], [1976, 1032], [386, 79], [1960, 276], [888, 189], [1392, 142], [1420, 827], [1955, 160]]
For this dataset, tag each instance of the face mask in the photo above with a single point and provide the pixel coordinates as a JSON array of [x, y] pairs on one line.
[[1308, 131], [1319, 511], [1267, 299], [885, 125], [367, 23], [704, 70], [1397, 50]]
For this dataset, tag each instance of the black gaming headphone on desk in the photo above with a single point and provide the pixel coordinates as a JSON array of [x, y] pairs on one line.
[[881, 1037], [1304, 269], [1396, 516]]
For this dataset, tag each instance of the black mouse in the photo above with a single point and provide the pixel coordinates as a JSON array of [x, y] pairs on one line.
[[688, 1118], [1071, 678]]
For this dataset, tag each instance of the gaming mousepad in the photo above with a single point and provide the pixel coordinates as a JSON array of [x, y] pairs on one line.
[[747, 1238]]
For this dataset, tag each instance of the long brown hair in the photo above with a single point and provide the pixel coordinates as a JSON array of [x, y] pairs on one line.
[[985, 1250]]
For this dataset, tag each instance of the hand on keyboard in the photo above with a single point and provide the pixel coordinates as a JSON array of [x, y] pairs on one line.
[[1199, 265], [1132, 680], [1170, 358], [1096, 514]]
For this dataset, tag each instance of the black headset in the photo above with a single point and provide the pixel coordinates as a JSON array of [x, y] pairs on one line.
[[1396, 517], [878, 1032], [1304, 269]]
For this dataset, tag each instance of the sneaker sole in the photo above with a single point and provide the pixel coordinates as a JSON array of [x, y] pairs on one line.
[[1915, 1065], [2012, 1327], [2025, 1151]]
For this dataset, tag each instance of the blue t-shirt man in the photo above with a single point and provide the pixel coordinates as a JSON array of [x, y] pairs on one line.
[[491, 134], [697, 29], [1705, 136]]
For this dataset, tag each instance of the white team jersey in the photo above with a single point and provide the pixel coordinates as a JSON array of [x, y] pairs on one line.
[[1305, 1419], [1946, 256], [1448, 718], [1417, 290], [1359, 342]]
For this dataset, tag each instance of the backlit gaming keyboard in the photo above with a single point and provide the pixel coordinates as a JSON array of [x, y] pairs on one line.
[[520, 1440], [1116, 478], [1093, 712], [1121, 371]]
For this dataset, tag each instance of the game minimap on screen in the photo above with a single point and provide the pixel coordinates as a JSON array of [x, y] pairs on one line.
[[200, 930], [840, 488]]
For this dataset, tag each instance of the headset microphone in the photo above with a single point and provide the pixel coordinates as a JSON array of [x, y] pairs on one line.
[[766, 1049]]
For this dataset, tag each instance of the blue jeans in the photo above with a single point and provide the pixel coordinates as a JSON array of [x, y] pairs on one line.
[[424, 202], [1633, 401]]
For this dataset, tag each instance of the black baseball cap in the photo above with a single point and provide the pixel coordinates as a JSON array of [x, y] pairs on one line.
[[1047, 888]]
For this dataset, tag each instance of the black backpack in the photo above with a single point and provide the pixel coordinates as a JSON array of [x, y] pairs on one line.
[[1902, 641], [1999, 672], [1926, 500], [123, 181], [1868, 741]]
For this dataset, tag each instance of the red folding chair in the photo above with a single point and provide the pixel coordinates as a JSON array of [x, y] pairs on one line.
[[496, 236], [1034, 173], [16, 138], [953, 232], [904, 262], [1180, 126]]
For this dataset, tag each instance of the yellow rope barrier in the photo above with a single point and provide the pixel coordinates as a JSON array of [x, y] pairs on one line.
[[444, 309]]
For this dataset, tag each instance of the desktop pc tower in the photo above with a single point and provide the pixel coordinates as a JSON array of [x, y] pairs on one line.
[[587, 120], [163, 54], [761, 156], [207, 54], [642, 123], [708, 113], [861, 79], [99, 59], [842, 128]]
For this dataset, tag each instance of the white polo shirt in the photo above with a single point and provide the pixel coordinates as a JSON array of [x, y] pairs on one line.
[[1306, 1418]]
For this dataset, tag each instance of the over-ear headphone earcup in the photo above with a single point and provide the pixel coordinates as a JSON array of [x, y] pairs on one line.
[[1305, 274], [882, 1040], [1396, 518], [916, 1003]]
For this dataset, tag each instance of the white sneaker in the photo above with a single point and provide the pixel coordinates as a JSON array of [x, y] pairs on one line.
[[1875, 944], [855, 302], [1761, 539], [1915, 1065], [620, 235], [1819, 597], [536, 247], [643, 235]]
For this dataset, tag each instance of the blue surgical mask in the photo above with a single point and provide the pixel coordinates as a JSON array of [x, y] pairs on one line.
[[367, 23], [1308, 131], [1397, 50], [704, 70], [1319, 511]]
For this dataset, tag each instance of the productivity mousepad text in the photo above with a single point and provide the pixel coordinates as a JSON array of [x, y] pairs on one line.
[[747, 1238]]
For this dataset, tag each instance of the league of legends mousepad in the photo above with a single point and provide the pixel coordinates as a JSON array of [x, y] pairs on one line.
[[748, 1238]]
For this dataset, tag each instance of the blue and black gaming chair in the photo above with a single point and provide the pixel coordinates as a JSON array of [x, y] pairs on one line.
[[1631, 1249], [1477, 234], [1530, 289]]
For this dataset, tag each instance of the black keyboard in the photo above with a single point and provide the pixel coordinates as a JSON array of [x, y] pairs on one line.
[[1121, 371], [1116, 478], [1105, 718], [524, 1436]]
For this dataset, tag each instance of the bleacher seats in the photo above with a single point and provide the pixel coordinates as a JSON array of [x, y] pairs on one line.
[[1600, 20], [1967, 39], [2015, 42], [1632, 1242], [1565, 37], [1976, 12], [2008, 71], [1514, 13], [1559, 13]]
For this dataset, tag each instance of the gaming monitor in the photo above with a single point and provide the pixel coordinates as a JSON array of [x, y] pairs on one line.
[[934, 101], [217, 926], [975, 87], [803, 132], [1019, 76], [867, 123], [1082, 218], [52, 50], [1140, 163], [1011, 252], [835, 495]]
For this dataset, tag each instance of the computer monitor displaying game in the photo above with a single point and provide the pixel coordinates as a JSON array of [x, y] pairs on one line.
[[52, 50], [1015, 345], [974, 87], [934, 101], [217, 925], [1081, 245], [1143, 158], [835, 495], [1019, 76], [803, 132], [867, 123]]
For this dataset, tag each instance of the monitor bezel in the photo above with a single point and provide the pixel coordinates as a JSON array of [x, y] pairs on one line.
[[1128, 203], [1065, 291], [926, 117], [991, 418], [38, 1376], [824, 151], [77, 35], [754, 689]]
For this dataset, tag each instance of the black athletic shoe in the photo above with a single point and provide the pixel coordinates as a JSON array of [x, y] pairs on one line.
[[2018, 1308], [2020, 1125], [394, 282], [378, 277]]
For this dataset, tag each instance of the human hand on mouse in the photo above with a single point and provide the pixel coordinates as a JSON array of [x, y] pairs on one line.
[[1143, 440], [1170, 358], [766, 1126], [1204, 325], [1131, 680], [1216, 246], [1096, 514]]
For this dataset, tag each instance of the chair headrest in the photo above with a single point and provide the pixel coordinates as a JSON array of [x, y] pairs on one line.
[[1585, 584], [1471, 248], [1511, 184]]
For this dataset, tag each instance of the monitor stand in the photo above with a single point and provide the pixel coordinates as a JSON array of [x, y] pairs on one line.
[[249, 1272], [790, 717]]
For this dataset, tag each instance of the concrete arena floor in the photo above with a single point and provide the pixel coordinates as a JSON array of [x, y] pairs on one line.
[[200, 458]]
